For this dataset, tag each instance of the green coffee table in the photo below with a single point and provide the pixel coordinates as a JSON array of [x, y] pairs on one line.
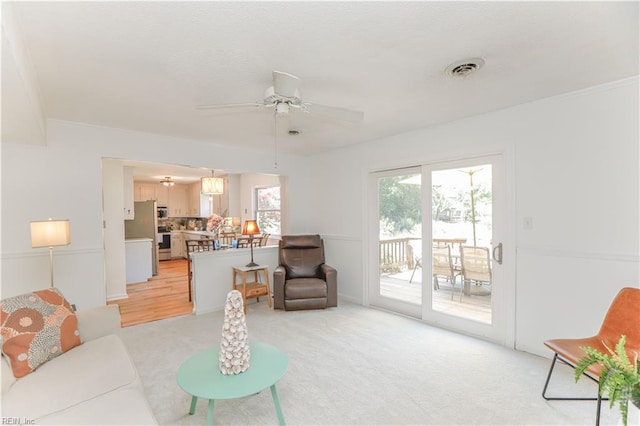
[[200, 377]]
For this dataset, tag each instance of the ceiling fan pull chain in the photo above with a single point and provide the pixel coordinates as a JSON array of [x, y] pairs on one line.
[[275, 138]]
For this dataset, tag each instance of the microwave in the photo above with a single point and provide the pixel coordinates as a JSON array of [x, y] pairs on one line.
[[163, 212]]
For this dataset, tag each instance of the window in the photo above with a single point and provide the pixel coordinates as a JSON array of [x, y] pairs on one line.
[[267, 204]]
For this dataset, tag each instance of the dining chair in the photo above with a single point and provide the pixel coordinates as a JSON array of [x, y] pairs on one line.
[[443, 266], [475, 266], [622, 318], [226, 237], [196, 246], [264, 240]]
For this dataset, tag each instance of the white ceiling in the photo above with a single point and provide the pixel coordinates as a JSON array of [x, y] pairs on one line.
[[155, 172], [146, 65]]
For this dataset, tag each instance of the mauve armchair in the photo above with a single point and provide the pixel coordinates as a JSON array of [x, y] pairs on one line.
[[302, 280]]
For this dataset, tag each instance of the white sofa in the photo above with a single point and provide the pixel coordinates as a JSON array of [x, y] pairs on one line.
[[93, 383]]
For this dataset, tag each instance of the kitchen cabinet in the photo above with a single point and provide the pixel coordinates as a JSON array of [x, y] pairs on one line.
[[205, 206], [194, 200], [177, 204], [177, 245], [198, 202], [162, 195], [144, 191]]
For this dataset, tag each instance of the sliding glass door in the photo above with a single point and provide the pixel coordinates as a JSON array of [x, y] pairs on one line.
[[437, 244], [397, 233]]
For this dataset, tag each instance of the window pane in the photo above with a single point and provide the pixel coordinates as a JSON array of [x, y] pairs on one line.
[[269, 222], [269, 198]]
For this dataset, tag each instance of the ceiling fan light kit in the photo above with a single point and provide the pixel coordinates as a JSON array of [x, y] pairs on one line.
[[282, 108], [167, 181]]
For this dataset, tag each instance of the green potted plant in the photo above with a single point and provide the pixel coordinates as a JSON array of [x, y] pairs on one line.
[[619, 377]]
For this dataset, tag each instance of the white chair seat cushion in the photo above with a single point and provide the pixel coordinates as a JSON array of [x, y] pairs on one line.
[[124, 406], [88, 371]]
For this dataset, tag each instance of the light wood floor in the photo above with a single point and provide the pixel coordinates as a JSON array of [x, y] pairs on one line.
[[163, 296]]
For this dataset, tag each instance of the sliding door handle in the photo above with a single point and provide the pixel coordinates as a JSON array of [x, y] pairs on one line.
[[498, 257]]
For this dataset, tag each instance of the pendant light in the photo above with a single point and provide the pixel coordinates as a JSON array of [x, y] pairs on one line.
[[212, 185]]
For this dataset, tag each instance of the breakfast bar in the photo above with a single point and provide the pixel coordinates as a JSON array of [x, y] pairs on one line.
[[212, 272]]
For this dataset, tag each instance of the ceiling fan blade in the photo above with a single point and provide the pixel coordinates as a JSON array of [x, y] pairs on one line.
[[337, 113], [234, 107], [285, 84]]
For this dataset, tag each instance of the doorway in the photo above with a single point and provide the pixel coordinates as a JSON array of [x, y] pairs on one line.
[[437, 251], [163, 296]]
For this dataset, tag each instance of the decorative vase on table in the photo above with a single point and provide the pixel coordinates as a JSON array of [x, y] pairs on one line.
[[234, 345]]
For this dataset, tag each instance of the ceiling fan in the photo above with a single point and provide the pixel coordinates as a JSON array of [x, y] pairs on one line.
[[284, 97]]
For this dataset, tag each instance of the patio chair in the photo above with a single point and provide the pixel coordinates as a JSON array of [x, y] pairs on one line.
[[443, 266], [475, 265], [621, 319], [417, 264]]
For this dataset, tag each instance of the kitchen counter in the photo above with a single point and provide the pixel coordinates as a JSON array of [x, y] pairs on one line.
[[212, 274], [185, 231], [138, 259]]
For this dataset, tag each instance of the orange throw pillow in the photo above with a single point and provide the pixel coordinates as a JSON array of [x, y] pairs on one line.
[[37, 327]]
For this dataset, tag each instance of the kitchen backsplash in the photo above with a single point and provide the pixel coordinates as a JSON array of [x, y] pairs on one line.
[[230, 224]]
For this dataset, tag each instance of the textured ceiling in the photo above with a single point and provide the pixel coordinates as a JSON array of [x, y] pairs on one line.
[[147, 65]]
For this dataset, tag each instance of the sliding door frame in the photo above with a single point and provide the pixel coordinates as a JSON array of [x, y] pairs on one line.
[[507, 335]]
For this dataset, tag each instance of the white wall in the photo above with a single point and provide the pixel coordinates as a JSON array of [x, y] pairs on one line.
[[64, 180], [573, 165]]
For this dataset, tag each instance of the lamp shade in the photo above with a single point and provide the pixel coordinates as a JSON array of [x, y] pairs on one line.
[[50, 233], [211, 185], [250, 228]]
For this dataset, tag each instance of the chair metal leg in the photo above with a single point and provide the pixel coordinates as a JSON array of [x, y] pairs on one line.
[[549, 398], [453, 285], [414, 271]]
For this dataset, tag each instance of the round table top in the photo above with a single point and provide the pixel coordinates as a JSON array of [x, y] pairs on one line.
[[200, 375]]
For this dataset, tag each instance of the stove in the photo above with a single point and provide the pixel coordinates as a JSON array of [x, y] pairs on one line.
[[164, 243]]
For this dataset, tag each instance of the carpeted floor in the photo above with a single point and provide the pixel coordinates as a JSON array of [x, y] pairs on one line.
[[355, 365]]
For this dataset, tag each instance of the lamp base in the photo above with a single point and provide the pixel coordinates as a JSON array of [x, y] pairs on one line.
[[251, 264]]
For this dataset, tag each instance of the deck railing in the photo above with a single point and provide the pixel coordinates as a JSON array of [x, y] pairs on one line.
[[396, 254]]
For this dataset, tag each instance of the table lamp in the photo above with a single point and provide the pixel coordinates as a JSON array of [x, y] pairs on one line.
[[250, 228], [50, 233]]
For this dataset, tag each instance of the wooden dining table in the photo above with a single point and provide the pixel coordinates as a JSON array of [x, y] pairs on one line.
[[450, 241]]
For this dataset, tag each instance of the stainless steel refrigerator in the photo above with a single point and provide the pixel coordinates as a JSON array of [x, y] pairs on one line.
[[145, 225]]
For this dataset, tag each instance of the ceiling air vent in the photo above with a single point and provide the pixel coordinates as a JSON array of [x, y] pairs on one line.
[[465, 67]]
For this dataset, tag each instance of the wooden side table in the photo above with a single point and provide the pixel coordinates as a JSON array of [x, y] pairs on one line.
[[253, 288]]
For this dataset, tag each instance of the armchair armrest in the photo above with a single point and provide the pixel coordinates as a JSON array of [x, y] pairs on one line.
[[279, 275], [331, 277], [98, 322]]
